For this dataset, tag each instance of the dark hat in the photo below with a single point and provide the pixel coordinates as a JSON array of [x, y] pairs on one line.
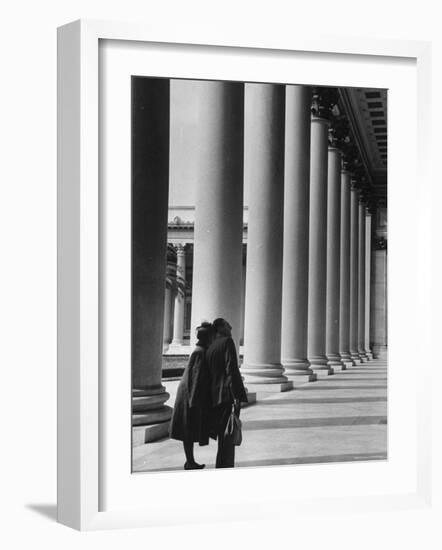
[[219, 322], [204, 332]]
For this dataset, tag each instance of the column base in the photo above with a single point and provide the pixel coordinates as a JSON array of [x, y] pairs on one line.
[[146, 403], [369, 355], [154, 416], [337, 366], [300, 378], [379, 351], [322, 372], [296, 367], [271, 388], [345, 356], [320, 366], [150, 416], [335, 362], [251, 399], [146, 434], [355, 358], [263, 374], [346, 359]]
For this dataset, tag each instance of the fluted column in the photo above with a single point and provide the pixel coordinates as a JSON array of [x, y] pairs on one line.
[[354, 275], [367, 283], [296, 235], [344, 289], [264, 176], [217, 170], [333, 259], [150, 177], [361, 283], [318, 248], [180, 300]]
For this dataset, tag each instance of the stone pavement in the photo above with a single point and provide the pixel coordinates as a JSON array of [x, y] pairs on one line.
[[339, 418]]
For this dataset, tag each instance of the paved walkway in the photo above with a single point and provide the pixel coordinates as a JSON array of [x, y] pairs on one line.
[[339, 418]]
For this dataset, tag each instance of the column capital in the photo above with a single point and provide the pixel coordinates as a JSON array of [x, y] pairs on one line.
[[344, 164], [180, 249], [334, 141], [321, 120], [380, 243], [324, 102], [349, 159]]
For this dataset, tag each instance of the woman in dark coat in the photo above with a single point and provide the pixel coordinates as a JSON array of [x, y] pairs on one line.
[[190, 418]]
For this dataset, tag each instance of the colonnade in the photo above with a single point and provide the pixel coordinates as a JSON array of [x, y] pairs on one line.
[[307, 309]]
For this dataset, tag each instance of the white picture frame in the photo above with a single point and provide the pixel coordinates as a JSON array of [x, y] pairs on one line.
[[80, 445]]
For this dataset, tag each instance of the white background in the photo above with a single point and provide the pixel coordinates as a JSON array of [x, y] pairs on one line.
[[28, 269], [118, 61]]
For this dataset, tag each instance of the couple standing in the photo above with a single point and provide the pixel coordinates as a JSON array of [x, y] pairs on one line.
[[211, 385]]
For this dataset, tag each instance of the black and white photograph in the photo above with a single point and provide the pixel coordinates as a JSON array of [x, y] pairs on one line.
[[259, 274]]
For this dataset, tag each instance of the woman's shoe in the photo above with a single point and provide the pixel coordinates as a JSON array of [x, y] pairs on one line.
[[194, 466]]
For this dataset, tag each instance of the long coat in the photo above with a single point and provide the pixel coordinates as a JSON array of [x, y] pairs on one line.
[[225, 379], [190, 417], [225, 383]]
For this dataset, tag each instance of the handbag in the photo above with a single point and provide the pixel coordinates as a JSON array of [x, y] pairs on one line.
[[234, 427]]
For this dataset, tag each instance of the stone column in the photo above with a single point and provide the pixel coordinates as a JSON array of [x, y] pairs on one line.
[[180, 300], [361, 283], [296, 235], [167, 318], [379, 302], [379, 334], [264, 176], [333, 259], [243, 296], [367, 345], [354, 275], [217, 170], [150, 178], [344, 289], [318, 248]]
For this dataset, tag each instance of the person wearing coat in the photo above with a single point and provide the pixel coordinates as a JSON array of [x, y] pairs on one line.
[[190, 417], [226, 389]]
